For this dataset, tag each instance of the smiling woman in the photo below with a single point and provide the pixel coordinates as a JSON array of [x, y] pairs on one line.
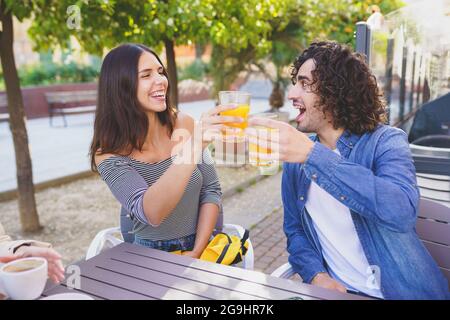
[[167, 204]]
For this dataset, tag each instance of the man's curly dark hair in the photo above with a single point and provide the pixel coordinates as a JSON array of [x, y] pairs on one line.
[[345, 86]]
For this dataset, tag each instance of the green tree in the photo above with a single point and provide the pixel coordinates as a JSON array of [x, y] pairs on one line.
[[242, 35], [286, 45], [307, 22], [330, 19], [106, 24], [336, 19]]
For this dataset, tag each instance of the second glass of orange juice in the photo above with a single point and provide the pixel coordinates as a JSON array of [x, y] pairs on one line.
[[266, 167]]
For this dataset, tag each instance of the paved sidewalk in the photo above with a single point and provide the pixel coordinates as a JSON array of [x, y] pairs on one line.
[[259, 209], [269, 242], [253, 204]]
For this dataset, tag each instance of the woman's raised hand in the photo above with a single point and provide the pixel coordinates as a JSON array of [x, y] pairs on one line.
[[212, 124]]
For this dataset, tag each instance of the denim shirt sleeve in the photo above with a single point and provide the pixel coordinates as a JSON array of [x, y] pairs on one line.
[[388, 195], [304, 259]]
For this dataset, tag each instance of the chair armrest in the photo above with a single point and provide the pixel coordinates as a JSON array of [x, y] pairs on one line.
[[240, 230], [285, 271], [104, 236]]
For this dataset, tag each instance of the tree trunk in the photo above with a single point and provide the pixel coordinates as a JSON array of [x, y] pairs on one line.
[[199, 50], [172, 71], [27, 204], [276, 99]]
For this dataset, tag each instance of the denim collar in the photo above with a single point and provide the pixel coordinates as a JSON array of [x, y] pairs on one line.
[[345, 143]]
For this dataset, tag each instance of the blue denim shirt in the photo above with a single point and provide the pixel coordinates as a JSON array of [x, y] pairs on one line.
[[374, 176]]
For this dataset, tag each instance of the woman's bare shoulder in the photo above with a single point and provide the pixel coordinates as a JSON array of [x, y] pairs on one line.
[[185, 121], [99, 157]]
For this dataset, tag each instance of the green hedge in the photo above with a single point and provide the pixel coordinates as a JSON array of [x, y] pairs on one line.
[[45, 74], [57, 73], [50, 73], [197, 70]]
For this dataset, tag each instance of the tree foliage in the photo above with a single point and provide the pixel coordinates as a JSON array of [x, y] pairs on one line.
[[242, 32]]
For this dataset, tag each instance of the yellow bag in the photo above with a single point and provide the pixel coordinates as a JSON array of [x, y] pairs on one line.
[[225, 249]]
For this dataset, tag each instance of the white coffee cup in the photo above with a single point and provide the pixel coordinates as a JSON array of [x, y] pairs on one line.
[[24, 279]]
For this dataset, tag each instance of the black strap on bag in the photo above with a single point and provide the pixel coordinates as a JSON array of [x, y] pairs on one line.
[[244, 238], [225, 249], [240, 256]]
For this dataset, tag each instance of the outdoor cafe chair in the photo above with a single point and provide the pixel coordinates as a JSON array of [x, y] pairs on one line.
[[431, 155]]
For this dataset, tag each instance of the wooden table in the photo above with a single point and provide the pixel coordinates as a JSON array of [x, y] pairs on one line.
[[129, 271]]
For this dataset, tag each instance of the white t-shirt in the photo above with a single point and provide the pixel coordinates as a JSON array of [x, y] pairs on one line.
[[340, 243]]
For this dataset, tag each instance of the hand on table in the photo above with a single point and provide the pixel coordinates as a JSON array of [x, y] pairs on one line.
[[55, 267], [325, 281]]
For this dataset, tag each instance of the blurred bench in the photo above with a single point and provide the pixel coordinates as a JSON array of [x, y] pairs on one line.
[[433, 228], [70, 102], [4, 115], [433, 171]]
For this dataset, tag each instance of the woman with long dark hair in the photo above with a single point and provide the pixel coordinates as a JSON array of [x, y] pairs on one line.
[[168, 189]]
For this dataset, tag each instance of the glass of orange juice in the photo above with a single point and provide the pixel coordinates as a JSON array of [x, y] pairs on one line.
[[242, 102], [231, 147], [258, 152]]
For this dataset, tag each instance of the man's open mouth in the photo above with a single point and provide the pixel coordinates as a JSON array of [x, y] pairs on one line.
[[301, 110]]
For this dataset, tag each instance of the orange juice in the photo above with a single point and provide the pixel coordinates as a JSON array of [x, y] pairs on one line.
[[255, 150], [242, 110], [233, 144]]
